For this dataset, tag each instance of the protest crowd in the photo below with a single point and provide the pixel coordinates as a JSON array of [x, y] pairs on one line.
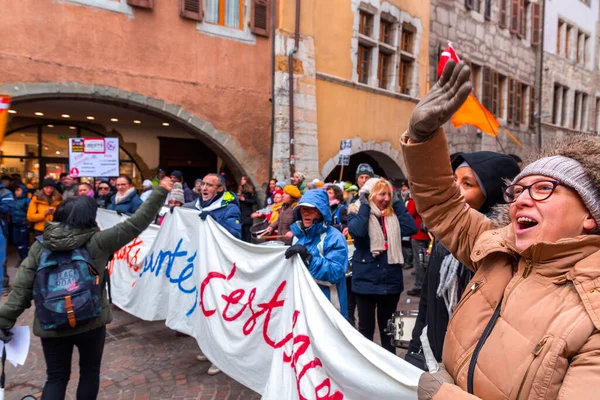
[[505, 259]]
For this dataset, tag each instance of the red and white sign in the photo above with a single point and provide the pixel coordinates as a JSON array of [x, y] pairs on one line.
[[94, 157]]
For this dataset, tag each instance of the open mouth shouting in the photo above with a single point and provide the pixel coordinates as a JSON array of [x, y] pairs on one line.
[[525, 224]]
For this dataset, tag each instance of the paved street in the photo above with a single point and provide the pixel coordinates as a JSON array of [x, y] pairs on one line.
[[142, 360]]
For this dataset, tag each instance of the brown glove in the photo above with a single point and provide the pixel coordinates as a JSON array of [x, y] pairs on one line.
[[441, 102], [429, 383]]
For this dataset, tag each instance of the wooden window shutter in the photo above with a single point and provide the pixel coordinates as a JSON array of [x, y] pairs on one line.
[[522, 18], [191, 9], [502, 13], [511, 101], [514, 16], [518, 115], [469, 4], [141, 3], [536, 19], [487, 88], [488, 10], [260, 17]]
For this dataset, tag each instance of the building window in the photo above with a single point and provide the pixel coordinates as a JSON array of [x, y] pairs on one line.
[[559, 108], [475, 79], [502, 14], [365, 23], [229, 13], [385, 32], [559, 37], [474, 5], [405, 72], [111, 5], [383, 69], [406, 42], [579, 111], [531, 107], [364, 57], [521, 103], [582, 43], [567, 40], [517, 17], [498, 84]]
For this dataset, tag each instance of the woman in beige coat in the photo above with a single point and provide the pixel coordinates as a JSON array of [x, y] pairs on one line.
[[527, 326]]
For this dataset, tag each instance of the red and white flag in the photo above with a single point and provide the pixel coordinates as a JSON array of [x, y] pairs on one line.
[[447, 54]]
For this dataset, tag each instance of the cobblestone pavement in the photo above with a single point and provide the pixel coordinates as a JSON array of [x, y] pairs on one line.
[[142, 360]]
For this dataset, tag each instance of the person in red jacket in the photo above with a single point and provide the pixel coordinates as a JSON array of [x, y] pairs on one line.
[[419, 243]]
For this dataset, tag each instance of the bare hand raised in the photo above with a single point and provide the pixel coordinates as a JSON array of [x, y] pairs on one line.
[[441, 102]]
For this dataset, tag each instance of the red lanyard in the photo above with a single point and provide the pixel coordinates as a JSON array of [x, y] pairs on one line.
[[384, 232]]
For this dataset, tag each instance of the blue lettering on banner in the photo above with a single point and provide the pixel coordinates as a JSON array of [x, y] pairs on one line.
[[153, 263]]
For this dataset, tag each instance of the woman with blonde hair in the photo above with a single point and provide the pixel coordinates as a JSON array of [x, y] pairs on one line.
[[377, 222], [528, 324]]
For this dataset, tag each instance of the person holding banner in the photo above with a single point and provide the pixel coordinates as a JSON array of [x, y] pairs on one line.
[[219, 203], [322, 248], [74, 227], [528, 325], [377, 222]]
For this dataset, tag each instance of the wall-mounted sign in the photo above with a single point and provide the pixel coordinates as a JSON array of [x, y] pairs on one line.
[[95, 157]]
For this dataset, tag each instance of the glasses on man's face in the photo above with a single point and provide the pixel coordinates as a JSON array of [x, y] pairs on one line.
[[538, 191], [207, 184], [103, 188]]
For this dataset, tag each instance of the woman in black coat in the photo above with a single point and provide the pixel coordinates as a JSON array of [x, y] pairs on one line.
[[247, 198], [377, 223]]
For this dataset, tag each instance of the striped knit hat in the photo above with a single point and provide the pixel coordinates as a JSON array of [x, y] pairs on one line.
[[571, 173]]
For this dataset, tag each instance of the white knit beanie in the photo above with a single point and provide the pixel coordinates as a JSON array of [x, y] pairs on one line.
[[570, 172]]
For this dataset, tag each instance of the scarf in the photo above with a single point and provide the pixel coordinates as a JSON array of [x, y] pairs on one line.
[[448, 287], [204, 204], [120, 197], [390, 229]]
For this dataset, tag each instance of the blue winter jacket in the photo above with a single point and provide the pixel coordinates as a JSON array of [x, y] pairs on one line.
[[19, 208], [128, 206], [373, 275], [327, 245], [6, 202], [227, 214]]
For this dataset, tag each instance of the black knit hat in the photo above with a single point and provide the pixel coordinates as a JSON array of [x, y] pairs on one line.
[[48, 182], [364, 169]]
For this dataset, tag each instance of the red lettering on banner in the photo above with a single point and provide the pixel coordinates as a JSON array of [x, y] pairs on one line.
[[128, 253], [236, 298]]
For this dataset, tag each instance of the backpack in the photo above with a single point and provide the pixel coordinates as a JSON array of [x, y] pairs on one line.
[[67, 289]]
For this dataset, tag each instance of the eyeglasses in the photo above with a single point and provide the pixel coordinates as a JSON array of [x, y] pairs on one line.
[[208, 185], [538, 191], [103, 188]]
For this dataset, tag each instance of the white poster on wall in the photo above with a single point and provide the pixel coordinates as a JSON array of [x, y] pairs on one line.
[[97, 157]]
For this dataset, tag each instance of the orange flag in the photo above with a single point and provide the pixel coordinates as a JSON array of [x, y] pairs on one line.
[[4, 106], [472, 112]]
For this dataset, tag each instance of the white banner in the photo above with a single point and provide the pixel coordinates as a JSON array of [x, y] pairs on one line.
[[258, 317]]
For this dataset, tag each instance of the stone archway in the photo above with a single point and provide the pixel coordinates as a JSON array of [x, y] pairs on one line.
[[224, 144], [389, 158]]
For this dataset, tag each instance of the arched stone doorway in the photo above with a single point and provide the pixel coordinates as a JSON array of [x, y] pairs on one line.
[[385, 160], [223, 144]]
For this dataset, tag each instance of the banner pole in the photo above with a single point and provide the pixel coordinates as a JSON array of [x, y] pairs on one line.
[[341, 172]]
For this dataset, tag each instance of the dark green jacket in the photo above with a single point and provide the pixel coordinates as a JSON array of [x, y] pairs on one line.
[[100, 244]]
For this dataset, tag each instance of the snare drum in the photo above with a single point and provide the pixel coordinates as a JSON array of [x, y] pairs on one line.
[[400, 327]]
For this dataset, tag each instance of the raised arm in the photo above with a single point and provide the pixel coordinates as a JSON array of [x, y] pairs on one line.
[[425, 151], [119, 235]]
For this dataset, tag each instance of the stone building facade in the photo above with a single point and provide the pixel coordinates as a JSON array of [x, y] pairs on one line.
[[571, 87], [359, 69], [500, 40]]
